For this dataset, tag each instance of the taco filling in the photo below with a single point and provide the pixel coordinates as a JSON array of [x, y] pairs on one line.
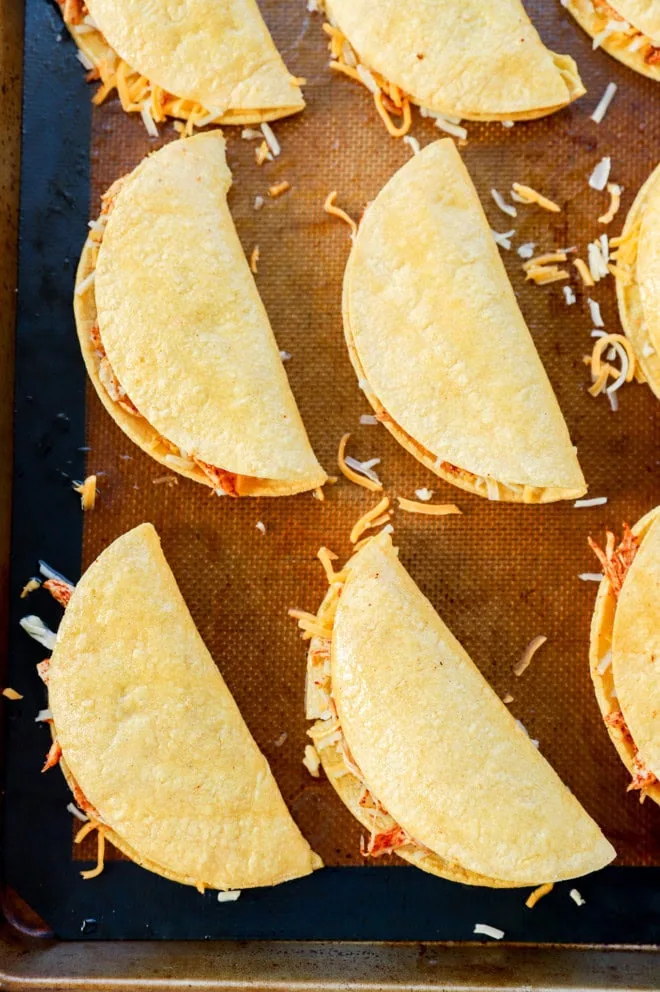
[[622, 34], [621, 642]]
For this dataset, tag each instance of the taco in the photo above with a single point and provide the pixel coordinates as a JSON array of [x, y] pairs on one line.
[[440, 346], [150, 739], [422, 751], [174, 334], [625, 643], [455, 58], [629, 30], [638, 285], [202, 61]]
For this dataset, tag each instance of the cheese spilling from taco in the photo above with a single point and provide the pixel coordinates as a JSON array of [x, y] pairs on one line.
[[629, 30], [150, 739], [422, 751], [638, 286], [440, 346], [625, 648], [455, 58], [175, 336], [200, 61]]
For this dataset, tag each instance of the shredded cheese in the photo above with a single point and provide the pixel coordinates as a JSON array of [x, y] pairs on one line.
[[87, 490], [370, 519], [311, 761], [525, 194], [486, 930], [29, 587], [503, 239], [569, 296], [254, 260], [350, 473], [326, 557], [262, 153], [505, 207], [100, 850], [278, 189], [615, 202], [583, 271], [601, 173], [528, 654], [596, 316], [10, 693], [596, 501], [230, 896], [330, 208], [271, 140], [604, 103], [577, 898], [430, 509], [537, 894], [37, 629]]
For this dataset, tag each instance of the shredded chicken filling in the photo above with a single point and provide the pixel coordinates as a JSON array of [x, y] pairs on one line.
[[136, 92], [628, 34], [220, 479]]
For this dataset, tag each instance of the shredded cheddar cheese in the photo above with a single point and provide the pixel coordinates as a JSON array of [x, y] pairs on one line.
[[585, 274], [384, 113], [372, 518], [29, 587], [10, 693], [326, 557], [351, 474], [529, 652], [100, 856], [615, 202], [262, 153], [606, 341], [430, 509], [334, 211], [543, 890], [278, 189], [525, 194], [87, 490], [310, 624], [254, 260]]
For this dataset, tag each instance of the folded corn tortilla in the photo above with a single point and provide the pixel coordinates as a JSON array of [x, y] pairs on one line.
[[459, 57], [174, 333], [638, 290], [628, 30], [413, 739], [625, 646], [208, 58], [152, 741], [440, 346]]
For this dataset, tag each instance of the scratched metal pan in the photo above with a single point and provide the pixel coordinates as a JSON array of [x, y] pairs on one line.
[[499, 574]]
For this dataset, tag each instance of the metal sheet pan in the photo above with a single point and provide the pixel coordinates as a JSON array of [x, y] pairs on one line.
[[58, 173]]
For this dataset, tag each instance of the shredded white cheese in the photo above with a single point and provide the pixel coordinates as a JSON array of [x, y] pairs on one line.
[[50, 573], [569, 295], [229, 896], [258, 202], [449, 125], [261, 527], [43, 716], [86, 62], [612, 27], [412, 143], [368, 418], [596, 318], [88, 281], [604, 663], [285, 356], [604, 103], [590, 576], [576, 897], [364, 468], [367, 79], [648, 350], [527, 250], [251, 134], [596, 501], [424, 494], [311, 761], [505, 207], [487, 931], [503, 240], [37, 629], [600, 175], [271, 140], [78, 813], [148, 120]]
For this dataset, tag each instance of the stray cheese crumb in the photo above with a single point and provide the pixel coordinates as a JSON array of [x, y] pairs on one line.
[[10, 693], [87, 490], [311, 761], [258, 202], [507, 698], [569, 295], [537, 894], [424, 494], [430, 509], [577, 898], [525, 194], [330, 208], [261, 527], [254, 260], [278, 189]]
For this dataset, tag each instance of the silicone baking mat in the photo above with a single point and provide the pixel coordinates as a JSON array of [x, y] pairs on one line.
[[499, 574]]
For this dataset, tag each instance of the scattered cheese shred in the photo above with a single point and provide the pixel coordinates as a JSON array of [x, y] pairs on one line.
[[370, 519], [262, 154], [10, 693], [330, 208], [505, 207], [350, 473], [384, 113], [533, 898], [29, 587], [615, 202], [577, 898], [311, 761], [254, 259], [604, 103], [487, 931], [231, 896], [525, 194], [326, 557], [87, 490], [430, 509], [310, 624], [100, 849], [585, 275], [271, 140], [528, 654], [278, 189], [600, 175]]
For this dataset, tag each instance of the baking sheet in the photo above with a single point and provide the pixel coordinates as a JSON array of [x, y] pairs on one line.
[[499, 575]]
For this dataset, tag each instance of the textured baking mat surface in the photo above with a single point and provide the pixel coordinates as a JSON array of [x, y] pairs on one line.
[[499, 574]]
